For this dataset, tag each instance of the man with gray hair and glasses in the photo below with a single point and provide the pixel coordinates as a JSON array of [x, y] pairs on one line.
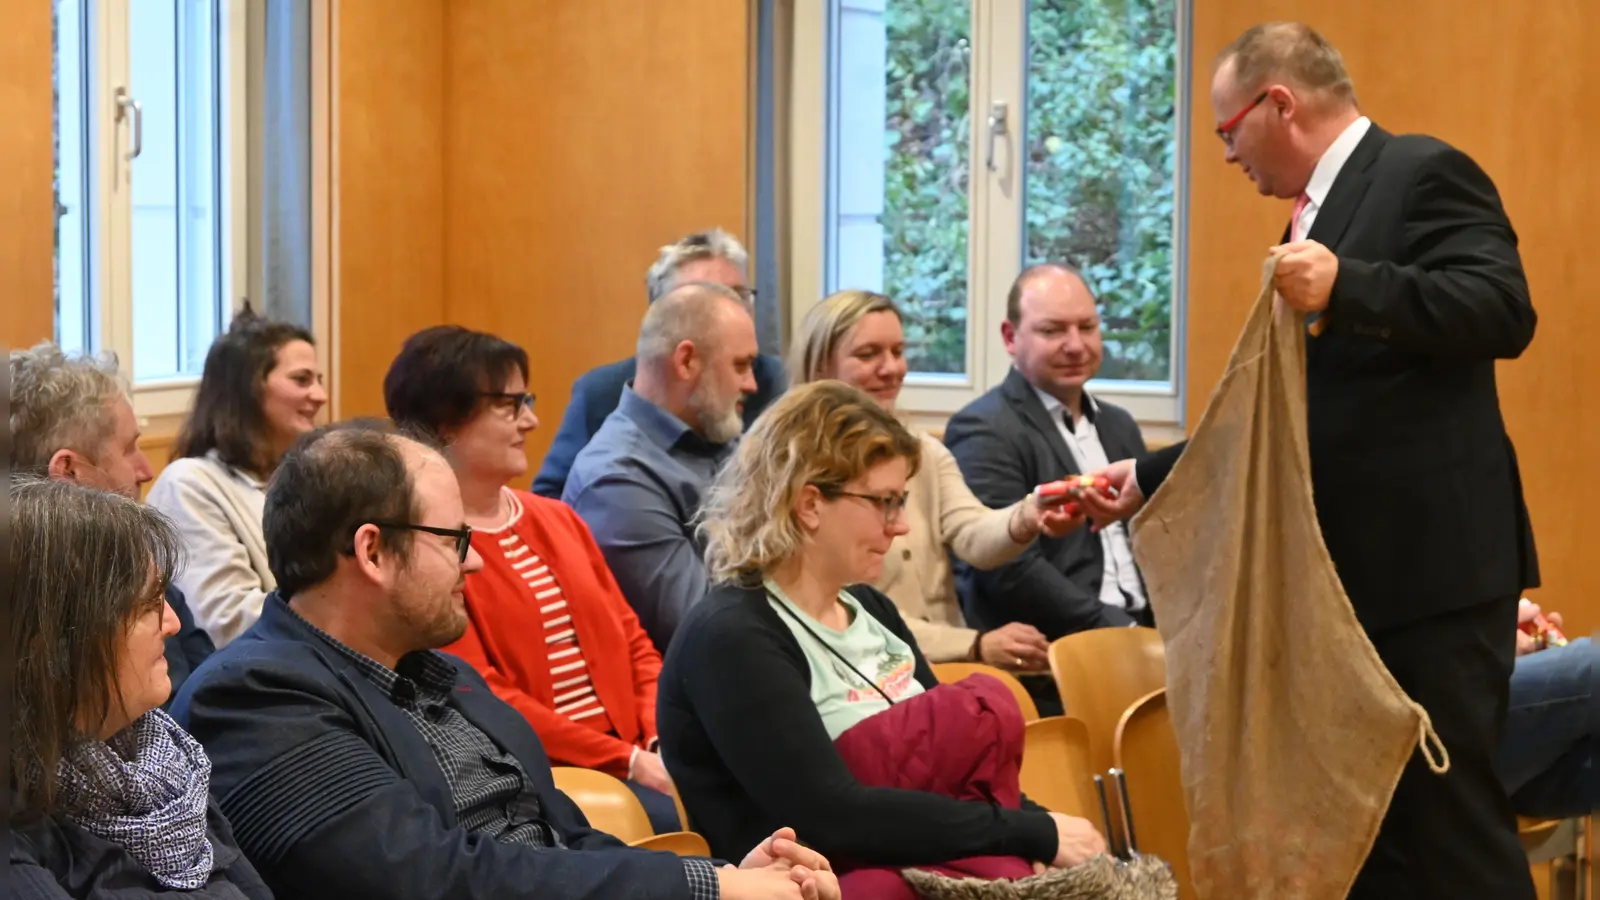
[[71, 419], [713, 256], [639, 483]]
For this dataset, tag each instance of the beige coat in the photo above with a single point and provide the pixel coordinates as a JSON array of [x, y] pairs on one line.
[[224, 576], [942, 513]]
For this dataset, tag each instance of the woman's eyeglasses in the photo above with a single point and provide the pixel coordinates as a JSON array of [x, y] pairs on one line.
[[511, 402], [463, 535], [890, 507]]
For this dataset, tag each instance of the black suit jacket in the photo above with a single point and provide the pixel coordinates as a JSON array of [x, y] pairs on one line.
[[1416, 481], [333, 793], [1006, 444]]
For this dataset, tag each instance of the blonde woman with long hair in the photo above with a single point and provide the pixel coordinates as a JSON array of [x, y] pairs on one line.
[[792, 648], [857, 337]]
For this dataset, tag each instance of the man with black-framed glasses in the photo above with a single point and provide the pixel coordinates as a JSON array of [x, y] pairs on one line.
[[354, 759]]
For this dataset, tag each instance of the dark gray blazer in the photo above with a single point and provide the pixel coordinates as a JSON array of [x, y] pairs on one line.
[[1006, 444]]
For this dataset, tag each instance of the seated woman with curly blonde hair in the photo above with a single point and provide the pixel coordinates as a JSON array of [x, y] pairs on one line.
[[793, 692]]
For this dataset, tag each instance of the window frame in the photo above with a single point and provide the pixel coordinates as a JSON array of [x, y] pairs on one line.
[[110, 204], [999, 40]]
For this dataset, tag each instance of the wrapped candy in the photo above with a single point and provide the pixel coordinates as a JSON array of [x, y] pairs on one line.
[[1544, 632]]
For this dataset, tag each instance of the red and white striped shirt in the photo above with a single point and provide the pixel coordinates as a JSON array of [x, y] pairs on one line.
[[569, 672]]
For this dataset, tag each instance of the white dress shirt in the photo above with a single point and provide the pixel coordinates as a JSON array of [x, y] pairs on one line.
[[1322, 177], [1120, 585]]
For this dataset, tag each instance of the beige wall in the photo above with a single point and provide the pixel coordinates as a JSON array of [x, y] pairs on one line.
[[579, 138], [514, 166], [27, 220], [1511, 84], [388, 88]]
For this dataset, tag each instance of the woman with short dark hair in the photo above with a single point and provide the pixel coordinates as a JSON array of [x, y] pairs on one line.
[[109, 796], [548, 627], [260, 390]]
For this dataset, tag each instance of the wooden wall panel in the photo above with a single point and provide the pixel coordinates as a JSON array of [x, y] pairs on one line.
[[1514, 85], [27, 306], [387, 186], [579, 137]]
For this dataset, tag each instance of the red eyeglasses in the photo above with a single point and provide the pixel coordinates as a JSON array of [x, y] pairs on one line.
[[1225, 130]]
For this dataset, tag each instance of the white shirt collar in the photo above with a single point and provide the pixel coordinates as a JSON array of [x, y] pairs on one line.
[[1054, 407], [1333, 159]]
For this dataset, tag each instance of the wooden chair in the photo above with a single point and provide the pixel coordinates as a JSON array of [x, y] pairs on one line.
[[606, 802], [952, 672], [683, 843], [1055, 768], [1534, 832], [611, 807], [1146, 750], [1101, 673]]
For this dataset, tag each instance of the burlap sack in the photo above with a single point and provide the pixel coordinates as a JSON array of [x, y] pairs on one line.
[[1292, 732]]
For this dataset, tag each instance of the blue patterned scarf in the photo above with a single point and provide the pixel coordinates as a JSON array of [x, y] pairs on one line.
[[145, 791]]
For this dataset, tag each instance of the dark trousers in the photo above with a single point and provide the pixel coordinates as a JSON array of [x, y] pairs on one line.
[[659, 807], [1452, 836]]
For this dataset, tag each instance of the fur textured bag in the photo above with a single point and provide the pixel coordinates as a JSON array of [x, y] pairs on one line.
[[1101, 878], [1292, 732]]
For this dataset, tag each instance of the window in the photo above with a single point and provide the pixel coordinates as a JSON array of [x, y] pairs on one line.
[[966, 139], [150, 183]]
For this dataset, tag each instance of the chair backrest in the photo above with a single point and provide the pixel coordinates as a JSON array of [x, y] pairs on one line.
[[1055, 768], [952, 672], [1146, 750], [1100, 673], [607, 803], [683, 843]]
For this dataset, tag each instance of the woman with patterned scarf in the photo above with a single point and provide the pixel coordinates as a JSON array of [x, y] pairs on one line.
[[108, 796]]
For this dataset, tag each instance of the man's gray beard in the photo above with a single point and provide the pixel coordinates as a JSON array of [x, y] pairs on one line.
[[719, 426]]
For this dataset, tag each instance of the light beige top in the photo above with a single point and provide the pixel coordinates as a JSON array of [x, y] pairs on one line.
[[942, 513], [224, 576]]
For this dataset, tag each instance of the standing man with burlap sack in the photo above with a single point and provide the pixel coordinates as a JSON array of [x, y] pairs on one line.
[[1404, 260]]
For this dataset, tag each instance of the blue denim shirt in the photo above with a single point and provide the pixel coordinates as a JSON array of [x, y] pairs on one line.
[[638, 485]]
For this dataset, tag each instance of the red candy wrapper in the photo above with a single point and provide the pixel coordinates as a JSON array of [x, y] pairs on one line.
[[1055, 492], [1543, 631]]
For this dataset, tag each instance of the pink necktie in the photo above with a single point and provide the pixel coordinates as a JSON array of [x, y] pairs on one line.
[[1296, 233]]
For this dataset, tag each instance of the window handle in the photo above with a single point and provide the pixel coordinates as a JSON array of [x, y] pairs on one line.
[[997, 128], [125, 102]]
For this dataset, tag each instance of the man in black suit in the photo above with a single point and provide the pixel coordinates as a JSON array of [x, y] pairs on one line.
[[1402, 257], [1040, 425]]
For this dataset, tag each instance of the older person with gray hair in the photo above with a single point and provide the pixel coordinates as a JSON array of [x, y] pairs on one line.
[[639, 482], [712, 256], [71, 419]]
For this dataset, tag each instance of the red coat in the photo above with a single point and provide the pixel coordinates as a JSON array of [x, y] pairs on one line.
[[961, 740], [504, 639]]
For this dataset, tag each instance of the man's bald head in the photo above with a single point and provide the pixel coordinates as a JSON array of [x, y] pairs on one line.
[[696, 357], [1036, 276], [695, 312]]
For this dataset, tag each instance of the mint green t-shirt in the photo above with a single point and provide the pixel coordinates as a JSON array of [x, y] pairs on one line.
[[841, 697]]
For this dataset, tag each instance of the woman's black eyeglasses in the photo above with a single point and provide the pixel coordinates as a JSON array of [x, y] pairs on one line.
[[463, 535], [515, 402]]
